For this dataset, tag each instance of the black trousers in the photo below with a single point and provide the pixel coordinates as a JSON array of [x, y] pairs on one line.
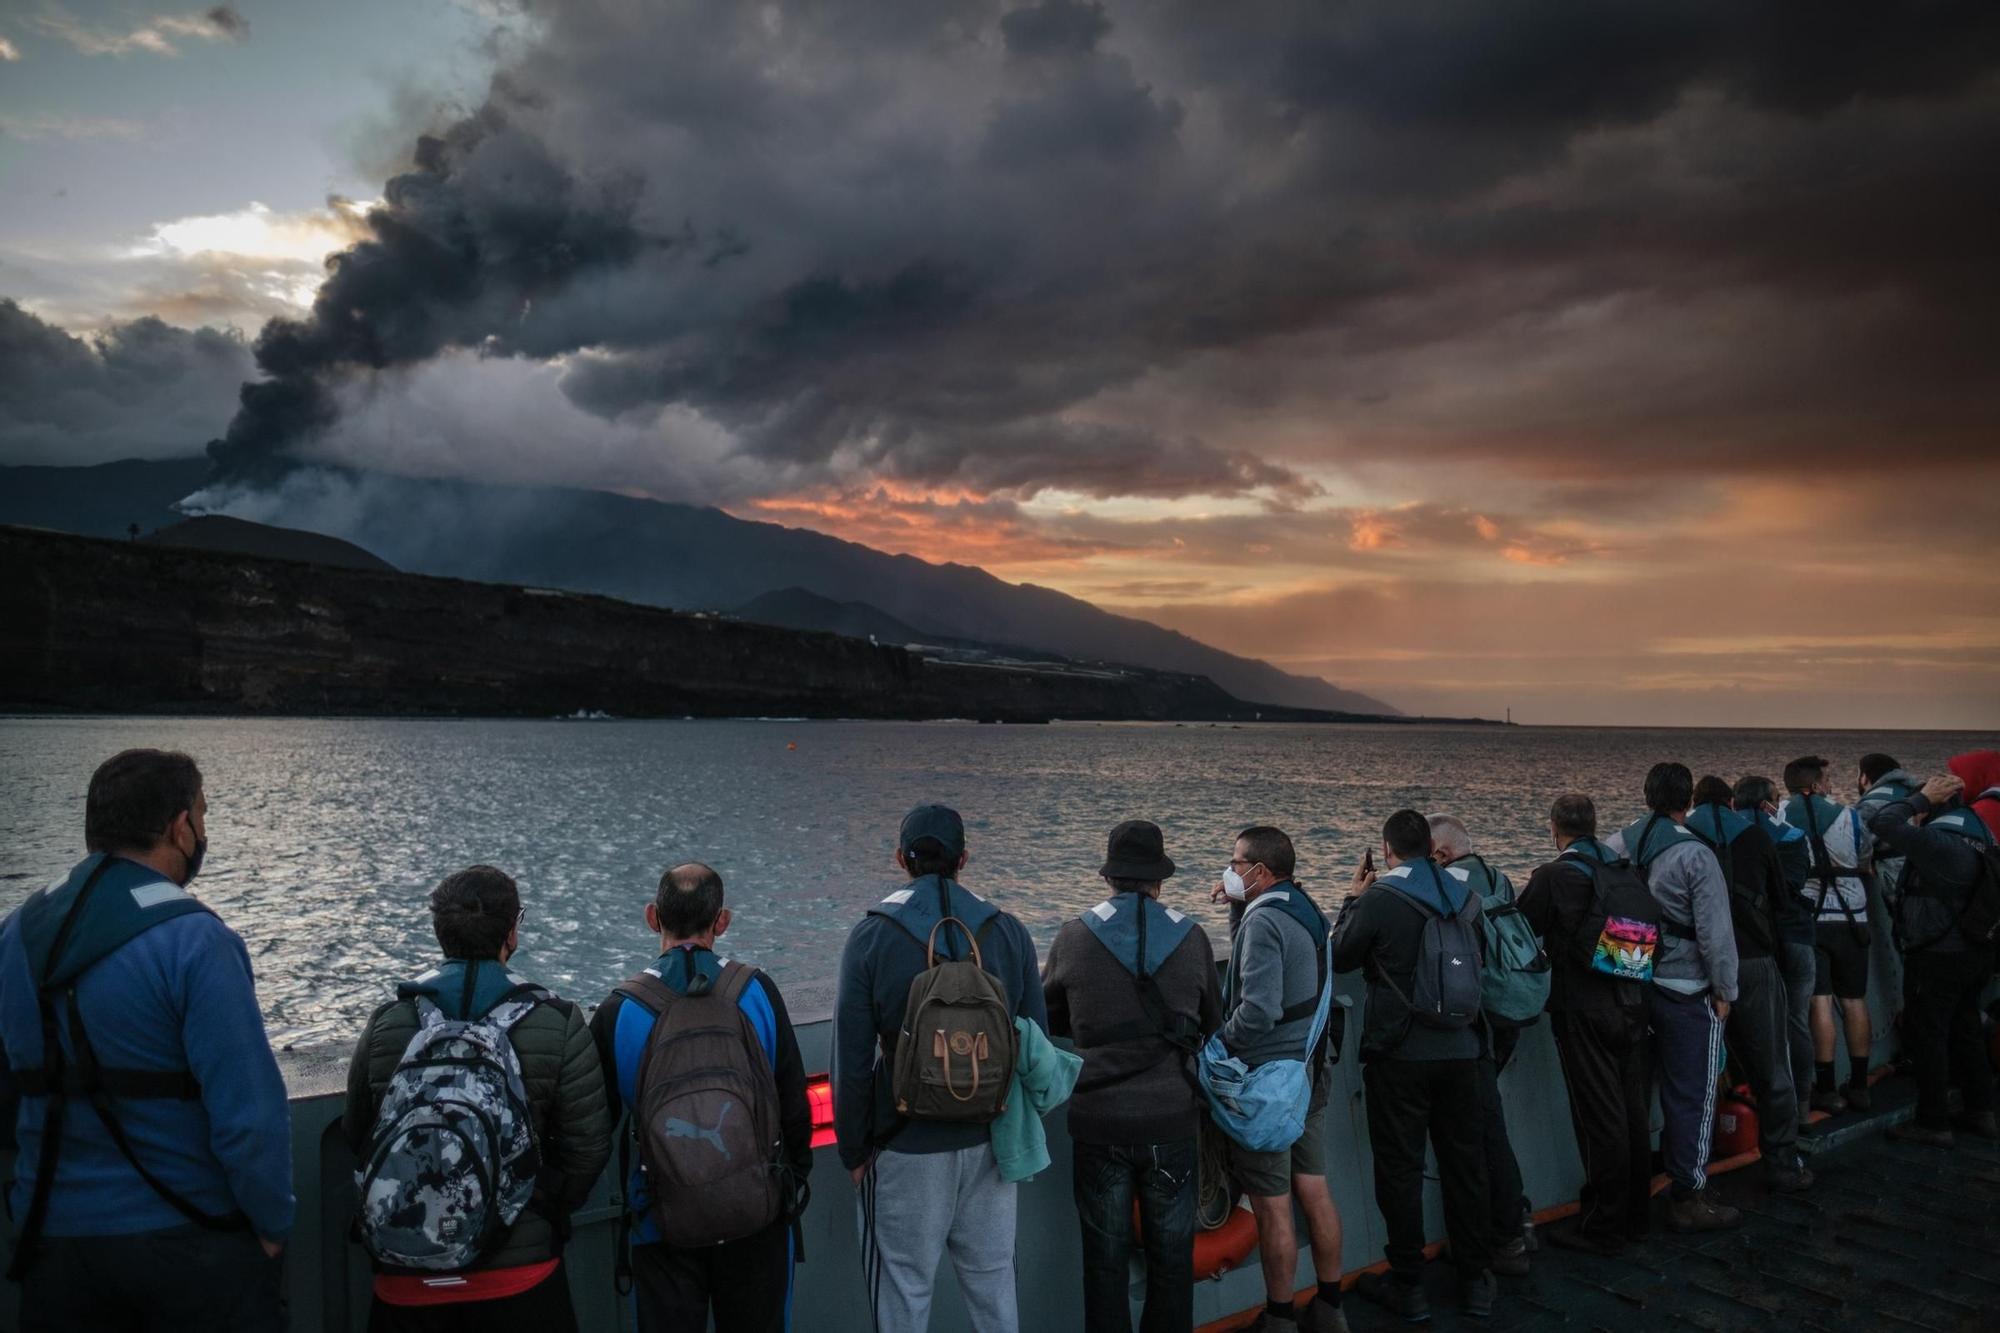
[[542, 1308], [1941, 1025], [746, 1284], [1408, 1101], [1165, 1179], [1507, 1205], [180, 1280], [1607, 1064]]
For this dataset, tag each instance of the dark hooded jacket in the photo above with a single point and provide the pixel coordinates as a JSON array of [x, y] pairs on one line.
[[559, 1068]]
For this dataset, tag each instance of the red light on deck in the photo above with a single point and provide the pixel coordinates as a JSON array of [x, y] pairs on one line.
[[819, 1095]]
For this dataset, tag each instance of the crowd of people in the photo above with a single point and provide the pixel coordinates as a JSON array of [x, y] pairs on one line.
[[153, 1184]]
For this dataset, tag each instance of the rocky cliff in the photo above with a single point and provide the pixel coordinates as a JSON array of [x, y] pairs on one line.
[[88, 623]]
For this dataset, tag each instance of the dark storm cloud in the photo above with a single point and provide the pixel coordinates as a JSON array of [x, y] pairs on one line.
[[1055, 27], [228, 22], [929, 241], [142, 389]]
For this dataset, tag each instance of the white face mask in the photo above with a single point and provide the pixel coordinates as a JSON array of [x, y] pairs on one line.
[[1232, 884]]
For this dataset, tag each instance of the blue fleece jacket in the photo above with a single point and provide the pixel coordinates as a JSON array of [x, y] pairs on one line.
[[178, 997], [880, 961]]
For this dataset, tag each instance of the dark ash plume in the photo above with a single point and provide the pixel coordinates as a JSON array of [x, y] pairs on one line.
[[463, 247]]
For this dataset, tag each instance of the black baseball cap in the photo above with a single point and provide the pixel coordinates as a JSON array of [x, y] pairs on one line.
[[934, 823]]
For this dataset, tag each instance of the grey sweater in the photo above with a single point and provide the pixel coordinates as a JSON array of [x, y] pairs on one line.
[[1687, 883], [1273, 966]]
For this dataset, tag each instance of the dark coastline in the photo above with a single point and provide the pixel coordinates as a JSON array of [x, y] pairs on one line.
[[103, 626]]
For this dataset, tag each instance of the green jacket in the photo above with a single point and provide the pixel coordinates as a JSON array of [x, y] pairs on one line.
[[559, 1068], [1044, 1074]]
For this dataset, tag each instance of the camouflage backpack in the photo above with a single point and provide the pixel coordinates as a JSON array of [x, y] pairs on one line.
[[453, 1157], [707, 1113]]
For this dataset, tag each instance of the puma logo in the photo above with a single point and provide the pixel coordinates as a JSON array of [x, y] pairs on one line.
[[686, 1129]]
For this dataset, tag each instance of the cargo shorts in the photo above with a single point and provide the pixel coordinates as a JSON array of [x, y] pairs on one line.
[[1269, 1174]]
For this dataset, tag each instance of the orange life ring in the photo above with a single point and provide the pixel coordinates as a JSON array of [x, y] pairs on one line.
[[1221, 1250]]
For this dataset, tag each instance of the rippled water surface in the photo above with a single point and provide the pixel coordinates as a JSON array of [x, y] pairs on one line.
[[326, 835]]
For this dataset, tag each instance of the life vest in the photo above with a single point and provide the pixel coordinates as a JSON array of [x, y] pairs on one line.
[[1120, 928], [927, 901], [1647, 838], [104, 903], [1816, 816], [1719, 826], [1142, 934]]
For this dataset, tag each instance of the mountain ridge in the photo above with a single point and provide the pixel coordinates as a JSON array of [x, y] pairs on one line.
[[662, 553]]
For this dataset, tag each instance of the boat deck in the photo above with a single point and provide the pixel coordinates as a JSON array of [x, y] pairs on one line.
[[1894, 1236]]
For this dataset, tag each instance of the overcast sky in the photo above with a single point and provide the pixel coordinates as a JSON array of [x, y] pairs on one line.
[[1610, 362]]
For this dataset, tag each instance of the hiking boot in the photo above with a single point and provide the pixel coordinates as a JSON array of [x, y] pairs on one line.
[[1699, 1212], [1573, 1237], [1829, 1101], [1925, 1135], [1480, 1293], [1319, 1317], [1789, 1179], [1979, 1124], [1406, 1300], [1510, 1258], [1859, 1098]]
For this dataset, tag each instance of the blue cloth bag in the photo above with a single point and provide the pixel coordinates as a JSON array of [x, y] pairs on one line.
[[1263, 1109]]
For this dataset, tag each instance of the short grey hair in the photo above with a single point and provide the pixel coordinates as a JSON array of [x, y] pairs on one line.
[[1448, 833]]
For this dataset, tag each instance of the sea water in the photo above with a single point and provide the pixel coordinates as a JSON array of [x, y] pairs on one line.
[[326, 835]]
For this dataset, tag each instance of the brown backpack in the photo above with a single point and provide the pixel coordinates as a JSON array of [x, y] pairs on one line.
[[955, 1054], [706, 1114]]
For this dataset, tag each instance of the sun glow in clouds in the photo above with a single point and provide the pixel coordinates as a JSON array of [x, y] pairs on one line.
[[258, 233]]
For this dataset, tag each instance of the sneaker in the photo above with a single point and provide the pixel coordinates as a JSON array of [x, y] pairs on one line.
[[1319, 1317], [1480, 1293], [1912, 1132], [1573, 1237], [1829, 1101], [1859, 1098], [1510, 1258], [1271, 1323], [1979, 1124], [1403, 1299], [1789, 1179], [1700, 1212]]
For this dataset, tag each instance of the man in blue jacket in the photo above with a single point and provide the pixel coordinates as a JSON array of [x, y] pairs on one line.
[[745, 1284], [154, 1180], [925, 1186]]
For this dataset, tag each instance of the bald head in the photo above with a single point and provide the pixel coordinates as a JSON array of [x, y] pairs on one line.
[[1449, 840], [689, 903]]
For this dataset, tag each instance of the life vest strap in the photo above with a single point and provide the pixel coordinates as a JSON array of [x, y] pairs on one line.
[[148, 1084]]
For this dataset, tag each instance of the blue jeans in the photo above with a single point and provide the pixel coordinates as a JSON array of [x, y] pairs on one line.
[[1165, 1178]]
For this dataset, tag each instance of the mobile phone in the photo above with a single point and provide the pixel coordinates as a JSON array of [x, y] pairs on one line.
[[1368, 862]]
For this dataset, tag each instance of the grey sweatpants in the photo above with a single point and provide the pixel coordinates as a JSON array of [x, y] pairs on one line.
[[915, 1207], [1759, 1037]]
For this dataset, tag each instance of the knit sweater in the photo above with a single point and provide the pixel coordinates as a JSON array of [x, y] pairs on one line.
[[1130, 1091]]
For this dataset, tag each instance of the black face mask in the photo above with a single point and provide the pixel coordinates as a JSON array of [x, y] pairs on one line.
[[194, 862]]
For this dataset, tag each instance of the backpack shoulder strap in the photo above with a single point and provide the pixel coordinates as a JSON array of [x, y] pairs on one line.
[[648, 990], [734, 981]]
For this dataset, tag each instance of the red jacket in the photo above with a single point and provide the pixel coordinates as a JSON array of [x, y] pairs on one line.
[[1979, 770]]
